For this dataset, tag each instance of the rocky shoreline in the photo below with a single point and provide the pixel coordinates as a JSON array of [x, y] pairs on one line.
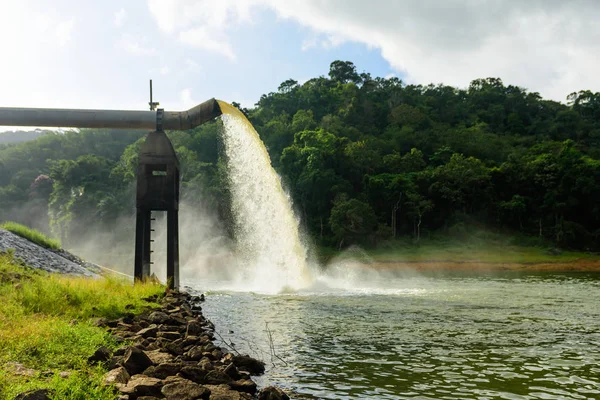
[[172, 355]]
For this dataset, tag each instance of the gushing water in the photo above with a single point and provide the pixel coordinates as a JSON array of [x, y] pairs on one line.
[[266, 231]]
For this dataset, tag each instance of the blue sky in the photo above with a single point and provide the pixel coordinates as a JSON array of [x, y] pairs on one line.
[[91, 54]]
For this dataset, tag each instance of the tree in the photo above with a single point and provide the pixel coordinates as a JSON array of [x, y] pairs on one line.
[[418, 206], [352, 222], [343, 72]]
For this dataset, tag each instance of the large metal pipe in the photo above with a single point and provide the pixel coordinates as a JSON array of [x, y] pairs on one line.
[[74, 118]]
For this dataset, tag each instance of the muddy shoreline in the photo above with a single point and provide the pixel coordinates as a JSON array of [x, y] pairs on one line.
[[482, 266]]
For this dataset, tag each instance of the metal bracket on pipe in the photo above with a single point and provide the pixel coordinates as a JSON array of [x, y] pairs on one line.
[[159, 119]]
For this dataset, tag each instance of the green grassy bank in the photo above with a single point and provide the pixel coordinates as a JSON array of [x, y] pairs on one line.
[[46, 324], [31, 234], [485, 247]]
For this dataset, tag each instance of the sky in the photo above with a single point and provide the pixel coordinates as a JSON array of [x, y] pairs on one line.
[[101, 54]]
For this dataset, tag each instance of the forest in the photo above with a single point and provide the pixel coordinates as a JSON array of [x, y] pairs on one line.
[[366, 160]]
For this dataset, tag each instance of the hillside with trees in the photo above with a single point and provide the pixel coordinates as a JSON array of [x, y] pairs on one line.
[[365, 159]]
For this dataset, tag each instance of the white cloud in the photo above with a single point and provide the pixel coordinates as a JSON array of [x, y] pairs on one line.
[[308, 44], [206, 39], [202, 24], [549, 46], [120, 17], [135, 46], [164, 70], [64, 32], [185, 97], [191, 65]]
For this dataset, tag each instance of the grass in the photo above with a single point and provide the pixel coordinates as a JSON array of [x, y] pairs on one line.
[[480, 246], [46, 323], [32, 235]]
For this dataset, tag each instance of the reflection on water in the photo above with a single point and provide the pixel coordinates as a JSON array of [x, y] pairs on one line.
[[510, 337]]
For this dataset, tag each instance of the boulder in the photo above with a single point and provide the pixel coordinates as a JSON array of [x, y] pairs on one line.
[[142, 385], [193, 373], [195, 353], [116, 376], [224, 392], [158, 317], [164, 370], [243, 385], [135, 360], [38, 394], [159, 357], [217, 377], [150, 331], [232, 371], [272, 393], [169, 335], [20, 370], [252, 365], [101, 355], [194, 328], [184, 390]]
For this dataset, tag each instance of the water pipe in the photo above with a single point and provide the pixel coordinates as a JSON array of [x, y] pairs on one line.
[[125, 119]]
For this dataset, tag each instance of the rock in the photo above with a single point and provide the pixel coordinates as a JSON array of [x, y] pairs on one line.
[[185, 390], [116, 376], [169, 335], [117, 339], [100, 322], [38, 394], [142, 385], [217, 354], [206, 364], [120, 351], [195, 353], [193, 373], [158, 317], [159, 357], [136, 361], [114, 362], [224, 392], [20, 370], [243, 385], [232, 371], [162, 371], [150, 331], [174, 349], [190, 341], [272, 393], [194, 328], [252, 365], [150, 299], [217, 377], [100, 355], [147, 398], [64, 374]]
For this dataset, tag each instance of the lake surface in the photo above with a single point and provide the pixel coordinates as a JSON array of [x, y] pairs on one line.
[[534, 336]]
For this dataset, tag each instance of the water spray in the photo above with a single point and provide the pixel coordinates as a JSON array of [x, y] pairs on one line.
[[158, 166]]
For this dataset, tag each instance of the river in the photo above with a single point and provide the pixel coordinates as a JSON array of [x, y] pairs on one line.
[[510, 336]]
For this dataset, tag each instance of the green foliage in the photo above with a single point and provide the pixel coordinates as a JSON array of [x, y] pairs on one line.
[[352, 222], [46, 325], [422, 157], [32, 235]]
